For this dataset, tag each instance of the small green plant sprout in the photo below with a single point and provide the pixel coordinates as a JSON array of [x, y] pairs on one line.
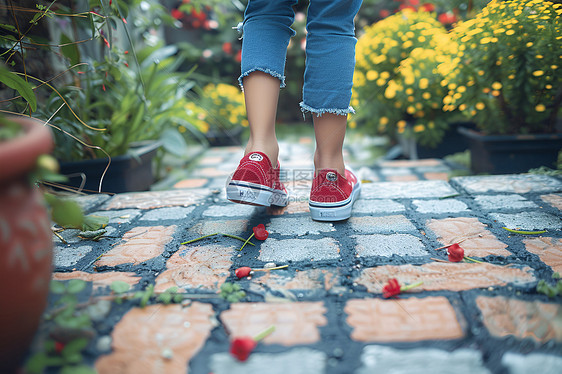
[[232, 292], [550, 290]]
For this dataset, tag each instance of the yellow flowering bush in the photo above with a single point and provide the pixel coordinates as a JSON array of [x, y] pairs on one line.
[[509, 80], [219, 107], [401, 63]]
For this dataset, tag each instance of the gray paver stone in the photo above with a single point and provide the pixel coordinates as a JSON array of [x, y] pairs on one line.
[[528, 220], [230, 210], [517, 183], [384, 224], [174, 213], [119, 216], [281, 251], [64, 256], [377, 206], [379, 359], [407, 190], [396, 171], [440, 206], [296, 361], [504, 202], [532, 364], [298, 226], [388, 245]]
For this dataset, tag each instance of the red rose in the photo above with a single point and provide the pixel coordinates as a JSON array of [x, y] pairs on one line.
[[242, 272], [447, 18], [455, 252], [227, 48], [241, 348], [384, 13], [177, 14], [392, 288], [260, 232], [428, 7]]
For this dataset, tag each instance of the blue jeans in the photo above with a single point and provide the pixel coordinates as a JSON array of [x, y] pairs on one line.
[[330, 49]]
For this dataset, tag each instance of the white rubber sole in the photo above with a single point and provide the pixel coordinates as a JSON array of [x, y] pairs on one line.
[[255, 194], [334, 211]]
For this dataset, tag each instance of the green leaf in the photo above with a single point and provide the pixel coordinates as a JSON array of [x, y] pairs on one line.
[[93, 223], [119, 287], [173, 142], [76, 285], [165, 298], [70, 49], [172, 289], [178, 298], [80, 369], [17, 83], [36, 363], [556, 275], [75, 346], [66, 213], [57, 287]]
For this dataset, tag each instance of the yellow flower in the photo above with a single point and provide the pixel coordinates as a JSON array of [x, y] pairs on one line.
[[486, 90], [480, 106], [540, 108], [529, 44], [554, 67], [426, 95], [372, 75], [548, 86], [495, 93], [410, 110], [509, 32], [538, 73], [496, 86], [401, 124], [419, 128], [481, 72], [539, 56], [383, 120], [182, 129], [511, 76]]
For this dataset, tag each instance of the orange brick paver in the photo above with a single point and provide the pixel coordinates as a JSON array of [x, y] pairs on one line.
[[440, 276], [402, 178], [157, 199], [548, 249], [410, 163], [522, 319], [191, 183], [100, 280], [157, 339], [205, 266], [140, 244], [478, 241], [436, 176], [403, 320], [295, 323], [553, 199]]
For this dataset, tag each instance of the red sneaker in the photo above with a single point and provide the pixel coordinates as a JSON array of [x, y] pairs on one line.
[[256, 182], [332, 195]]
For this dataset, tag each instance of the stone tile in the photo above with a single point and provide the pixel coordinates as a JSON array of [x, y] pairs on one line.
[[157, 339], [410, 163], [175, 213], [204, 266], [64, 256], [377, 206], [553, 199], [388, 245], [436, 176], [89, 202], [140, 244], [295, 361], [387, 172], [548, 249], [478, 241], [530, 364], [157, 199], [295, 323], [310, 279], [298, 226], [402, 320], [191, 183], [210, 160], [517, 183], [231, 210], [119, 216], [440, 206], [211, 172], [522, 319], [99, 280], [402, 178], [504, 202], [233, 227], [381, 359], [382, 224], [281, 251], [438, 276], [294, 207], [528, 220], [410, 190]]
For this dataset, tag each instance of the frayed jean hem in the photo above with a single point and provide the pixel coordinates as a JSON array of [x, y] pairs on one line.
[[340, 112], [274, 74]]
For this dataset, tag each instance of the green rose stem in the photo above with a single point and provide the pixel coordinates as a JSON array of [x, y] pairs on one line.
[[275, 268], [471, 259], [246, 242], [195, 240], [523, 232], [239, 238], [410, 286], [262, 335]]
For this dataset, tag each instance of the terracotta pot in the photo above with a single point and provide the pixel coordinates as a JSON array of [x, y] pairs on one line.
[[25, 243]]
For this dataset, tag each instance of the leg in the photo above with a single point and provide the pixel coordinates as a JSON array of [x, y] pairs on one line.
[[266, 35], [330, 61]]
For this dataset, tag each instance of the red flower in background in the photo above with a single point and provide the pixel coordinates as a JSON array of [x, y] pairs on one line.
[[227, 48], [177, 14], [260, 232], [428, 7], [384, 13], [392, 288], [241, 348], [447, 18], [455, 252], [238, 57]]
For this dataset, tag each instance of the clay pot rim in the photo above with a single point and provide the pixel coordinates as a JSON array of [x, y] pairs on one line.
[[19, 155]]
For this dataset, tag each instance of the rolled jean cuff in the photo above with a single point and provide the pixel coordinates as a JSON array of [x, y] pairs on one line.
[[340, 112], [273, 73]]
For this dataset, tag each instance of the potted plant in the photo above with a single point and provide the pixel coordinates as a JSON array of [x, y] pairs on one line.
[[399, 82], [509, 82], [220, 112]]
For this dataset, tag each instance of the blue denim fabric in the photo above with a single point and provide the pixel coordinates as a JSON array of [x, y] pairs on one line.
[[330, 49]]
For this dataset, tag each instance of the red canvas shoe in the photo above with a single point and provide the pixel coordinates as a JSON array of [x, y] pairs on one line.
[[256, 182], [332, 195]]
